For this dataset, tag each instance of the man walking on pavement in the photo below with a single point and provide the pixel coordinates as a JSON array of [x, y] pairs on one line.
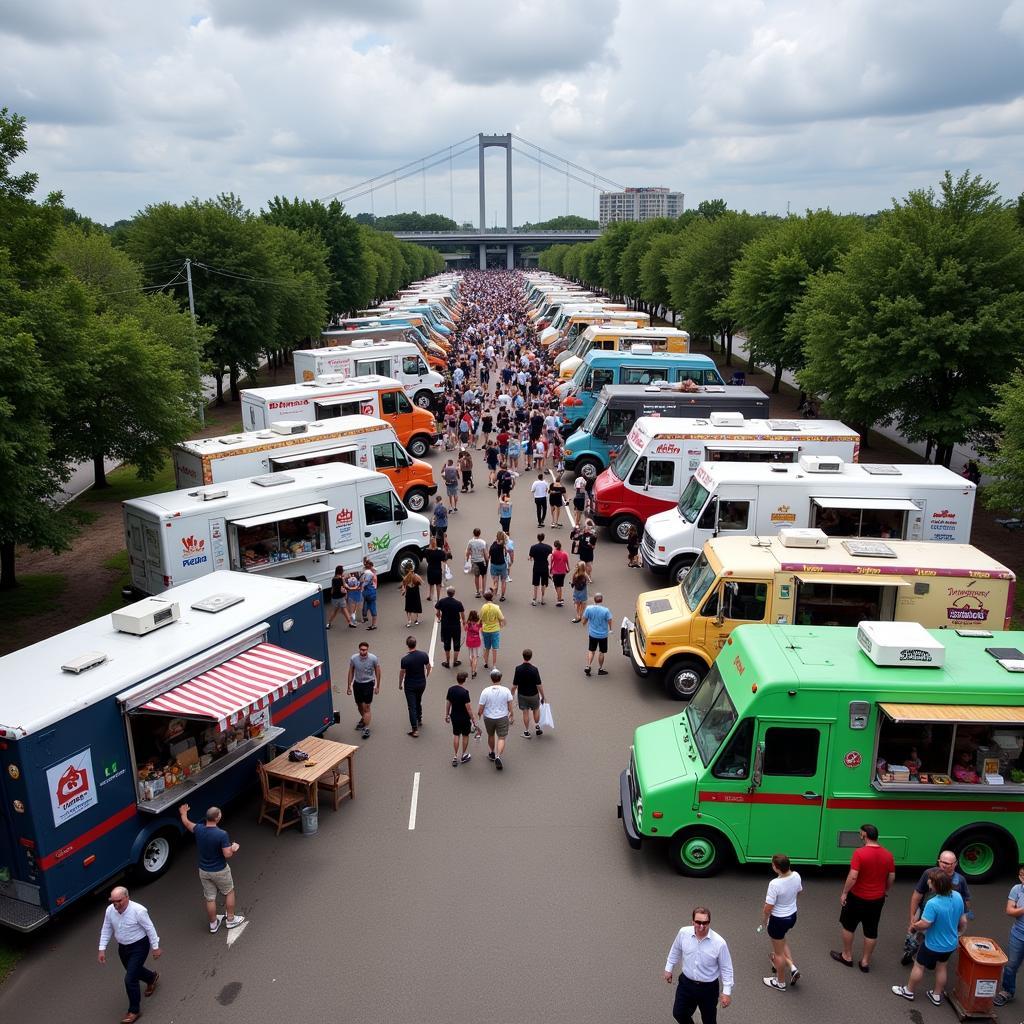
[[539, 490], [539, 555], [476, 555], [412, 677], [705, 965], [215, 849], [130, 924], [496, 710], [364, 682], [526, 683], [598, 619], [872, 872], [451, 614]]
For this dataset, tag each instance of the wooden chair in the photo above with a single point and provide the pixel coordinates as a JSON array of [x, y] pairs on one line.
[[277, 796], [337, 784]]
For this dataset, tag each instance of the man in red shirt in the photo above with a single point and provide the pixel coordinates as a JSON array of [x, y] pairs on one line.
[[872, 872]]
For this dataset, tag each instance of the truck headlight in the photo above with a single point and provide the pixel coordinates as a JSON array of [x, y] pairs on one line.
[[567, 452]]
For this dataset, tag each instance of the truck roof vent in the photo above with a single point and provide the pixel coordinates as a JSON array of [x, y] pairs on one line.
[[289, 427], [795, 537], [264, 434], [210, 493], [230, 439], [900, 644], [868, 548], [727, 419], [821, 464], [217, 602], [76, 666], [327, 380], [273, 480], [880, 469], [784, 425]]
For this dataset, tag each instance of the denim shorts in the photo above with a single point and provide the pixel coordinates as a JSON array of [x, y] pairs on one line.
[[499, 572], [492, 641]]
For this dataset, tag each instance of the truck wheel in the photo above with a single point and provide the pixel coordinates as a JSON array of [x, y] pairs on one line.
[[698, 852], [620, 527], [424, 399], [419, 446], [981, 854], [416, 499], [589, 469], [156, 856], [408, 558], [680, 567], [683, 676]]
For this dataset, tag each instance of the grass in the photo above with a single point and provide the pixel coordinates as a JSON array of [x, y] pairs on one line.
[[116, 563], [34, 595], [9, 956], [126, 483]]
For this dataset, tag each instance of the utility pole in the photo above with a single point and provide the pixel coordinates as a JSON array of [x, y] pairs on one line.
[[199, 366]]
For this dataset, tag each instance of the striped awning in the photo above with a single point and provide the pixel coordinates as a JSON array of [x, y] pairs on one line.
[[249, 681]]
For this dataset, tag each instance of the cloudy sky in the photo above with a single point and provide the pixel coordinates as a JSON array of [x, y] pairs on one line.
[[837, 103]]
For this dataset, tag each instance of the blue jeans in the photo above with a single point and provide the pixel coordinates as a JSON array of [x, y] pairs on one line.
[[414, 698], [133, 956], [1015, 957]]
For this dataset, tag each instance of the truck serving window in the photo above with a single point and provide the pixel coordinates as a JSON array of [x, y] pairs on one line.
[[697, 581], [711, 715], [692, 500]]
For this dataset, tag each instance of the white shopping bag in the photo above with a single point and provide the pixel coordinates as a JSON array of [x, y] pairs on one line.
[[468, 566], [447, 572], [547, 720]]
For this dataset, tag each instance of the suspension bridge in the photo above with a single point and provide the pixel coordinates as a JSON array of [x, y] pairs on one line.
[[493, 245]]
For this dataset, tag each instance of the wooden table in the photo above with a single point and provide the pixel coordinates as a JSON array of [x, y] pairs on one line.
[[324, 757]]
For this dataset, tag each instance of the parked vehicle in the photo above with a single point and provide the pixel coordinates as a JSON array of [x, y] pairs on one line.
[[807, 578], [355, 440], [332, 396], [106, 728], [661, 454], [617, 338], [799, 735], [296, 525], [389, 329], [571, 321], [862, 500]]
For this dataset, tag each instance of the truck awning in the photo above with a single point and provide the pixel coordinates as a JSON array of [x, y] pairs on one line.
[[853, 579], [250, 680], [313, 453], [980, 713], [284, 513], [896, 504]]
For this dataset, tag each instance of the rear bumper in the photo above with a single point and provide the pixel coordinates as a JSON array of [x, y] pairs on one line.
[[626, 812], [21, 916]]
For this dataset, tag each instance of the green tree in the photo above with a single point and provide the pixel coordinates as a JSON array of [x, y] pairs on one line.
[[712, 209], [923, 316], [298, 258], [553, 259], [112, 276], [1007, 461], [412, 221], [631, 258], [612, 245], [771, 277], [567, 222], [654, 272]]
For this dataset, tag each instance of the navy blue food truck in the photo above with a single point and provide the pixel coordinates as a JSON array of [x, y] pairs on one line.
[[105, 729]]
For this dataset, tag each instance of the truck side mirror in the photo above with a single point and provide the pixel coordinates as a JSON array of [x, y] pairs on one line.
[[401, 513], [758, 771], [725, 588]]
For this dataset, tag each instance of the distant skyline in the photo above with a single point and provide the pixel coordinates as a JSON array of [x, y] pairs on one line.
[[767, 104]]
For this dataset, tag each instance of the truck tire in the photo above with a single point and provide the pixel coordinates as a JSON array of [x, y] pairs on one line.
[[156, 856], [589, 468], [620, 526], [699, 852], [419, 446], [406, 559], [982, 852], [680, 567], [683, 676], [416, 499], [424, 399]]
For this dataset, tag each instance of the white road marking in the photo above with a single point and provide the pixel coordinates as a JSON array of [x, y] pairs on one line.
[[415, 801], [234, 934], [566, 508], [433, 640]]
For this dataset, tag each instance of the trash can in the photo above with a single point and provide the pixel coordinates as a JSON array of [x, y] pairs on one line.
[[979, 967], [311, 825]]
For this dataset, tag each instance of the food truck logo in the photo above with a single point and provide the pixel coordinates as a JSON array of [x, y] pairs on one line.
[[344, 517], [667, 449], [783, 514], [381, 543], [943, 524], [71, 786], [967, 605], [915, 654], [193, 551]]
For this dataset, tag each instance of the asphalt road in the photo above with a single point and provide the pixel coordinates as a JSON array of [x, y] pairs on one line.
[[515, 897]]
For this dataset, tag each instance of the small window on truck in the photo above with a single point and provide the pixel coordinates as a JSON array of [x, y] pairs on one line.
[[734, 761], [377, 508], [789, 751]]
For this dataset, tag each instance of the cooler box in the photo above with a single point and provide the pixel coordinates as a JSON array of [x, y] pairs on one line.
[[979, 967]]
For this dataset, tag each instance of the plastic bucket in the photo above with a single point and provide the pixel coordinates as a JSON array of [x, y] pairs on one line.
[[310, 821]]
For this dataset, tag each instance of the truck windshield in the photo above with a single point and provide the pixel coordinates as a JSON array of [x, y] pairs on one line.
[[692, 500], [711, 714], [623, 465], [577, 378], [592, 417], [697, 581]]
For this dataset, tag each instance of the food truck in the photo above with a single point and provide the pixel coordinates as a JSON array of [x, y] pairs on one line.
[[296, 525], [106, 728], [859, 500], [800, 734], [661, 454], [335, 395], [608, 337], [356, 440], [810, 579]]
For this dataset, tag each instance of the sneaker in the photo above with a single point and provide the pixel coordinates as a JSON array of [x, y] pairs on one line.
[[1002, 998], [526, 734], [366, 734], [772, 982], [540, 731], [559, 604], [602, 672], [586, 671], [466, 758], [215, 927], [498, 764], [533, 604], [359, 725], [935, 997], [903, 992], [233, 922], [455, 762], [794, 975], [490, 755]]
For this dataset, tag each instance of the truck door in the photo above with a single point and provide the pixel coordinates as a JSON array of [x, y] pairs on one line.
[[144, 554], [733, 603], [788, 788], [396, 408], [382, 514]]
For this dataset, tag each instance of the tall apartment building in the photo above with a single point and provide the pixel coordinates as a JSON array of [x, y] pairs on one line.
[[644, 203]]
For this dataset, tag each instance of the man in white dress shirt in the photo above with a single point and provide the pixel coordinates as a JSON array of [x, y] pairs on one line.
[[705, 964], [129, 923]]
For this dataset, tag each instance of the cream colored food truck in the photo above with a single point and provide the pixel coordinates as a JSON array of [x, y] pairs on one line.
[[810, 579]]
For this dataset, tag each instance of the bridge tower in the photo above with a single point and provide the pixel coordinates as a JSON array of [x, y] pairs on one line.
[[500, 142]]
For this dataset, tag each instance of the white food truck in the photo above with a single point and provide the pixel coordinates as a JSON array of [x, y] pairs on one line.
[[297, 525], [861, 500]]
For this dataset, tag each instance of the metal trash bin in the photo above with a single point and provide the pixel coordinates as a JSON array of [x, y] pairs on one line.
[[310, 821], [979, 967]]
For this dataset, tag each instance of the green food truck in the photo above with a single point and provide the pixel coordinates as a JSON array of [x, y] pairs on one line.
[[798, 735]]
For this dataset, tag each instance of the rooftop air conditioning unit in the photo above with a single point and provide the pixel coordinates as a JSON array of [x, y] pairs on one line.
[[289, 427], [145, 616], [327, 380], [641, 349], [901, 644], [362, 343], [727, 419], [821, 464], [795, 537]]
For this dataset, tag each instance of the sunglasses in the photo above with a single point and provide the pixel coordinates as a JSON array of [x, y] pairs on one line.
[[701, 924]]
